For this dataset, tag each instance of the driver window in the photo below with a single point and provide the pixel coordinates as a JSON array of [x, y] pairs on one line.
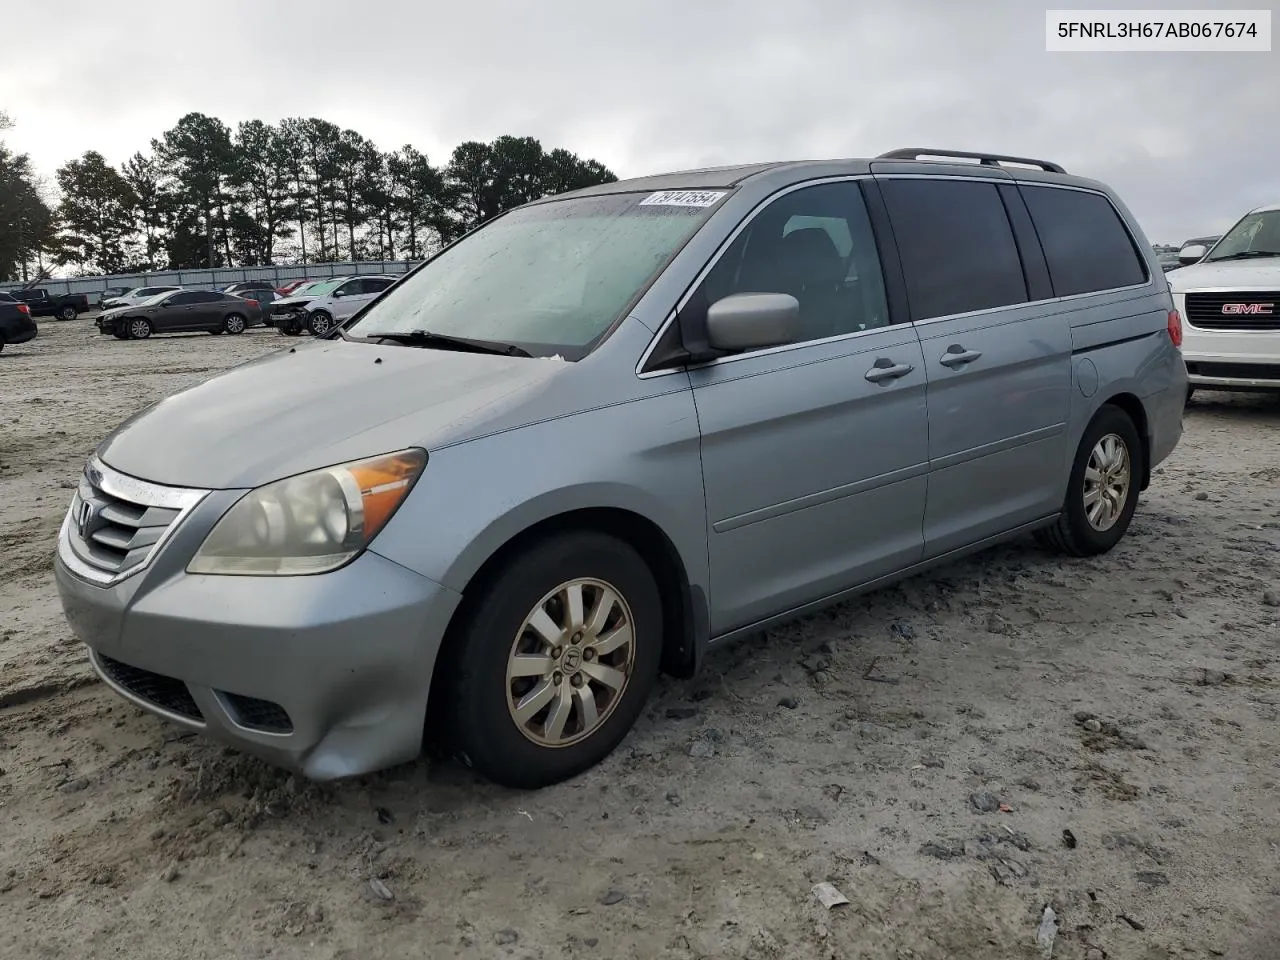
[[816, 244]]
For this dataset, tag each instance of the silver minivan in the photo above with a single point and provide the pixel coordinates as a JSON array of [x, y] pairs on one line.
[[611, 429]]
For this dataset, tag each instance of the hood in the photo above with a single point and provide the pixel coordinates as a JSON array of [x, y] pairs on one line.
[[291, 301], [1232, 274], [327, 402]]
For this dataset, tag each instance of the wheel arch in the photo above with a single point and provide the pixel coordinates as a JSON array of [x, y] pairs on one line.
[[685, 619], [1133, 407]]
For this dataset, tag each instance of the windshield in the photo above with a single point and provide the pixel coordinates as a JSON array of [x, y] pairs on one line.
[[320, 287], [550, 278], [1258, 234]]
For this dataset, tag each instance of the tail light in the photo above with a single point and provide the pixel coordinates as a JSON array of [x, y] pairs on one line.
[[254, 302], [23, 308], [1175, 328]]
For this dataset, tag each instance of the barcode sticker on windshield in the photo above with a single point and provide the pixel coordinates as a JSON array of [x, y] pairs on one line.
[[682, 198]]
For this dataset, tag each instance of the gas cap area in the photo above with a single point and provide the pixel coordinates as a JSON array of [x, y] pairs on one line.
[[1087, 377]]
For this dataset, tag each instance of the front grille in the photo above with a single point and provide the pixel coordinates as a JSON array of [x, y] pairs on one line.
[[116, 534], [1205, 310], [155, 688], [116, 522], [258, 714], [1235, 371]]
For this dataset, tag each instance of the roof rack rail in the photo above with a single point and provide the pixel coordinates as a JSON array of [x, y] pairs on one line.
[[984, 159]]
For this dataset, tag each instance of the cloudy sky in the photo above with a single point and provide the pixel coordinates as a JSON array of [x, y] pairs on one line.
[[1189, 139]]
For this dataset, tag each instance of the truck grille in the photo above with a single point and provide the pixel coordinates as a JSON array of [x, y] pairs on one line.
[[164, 692], [116, 522], [1244, 310]]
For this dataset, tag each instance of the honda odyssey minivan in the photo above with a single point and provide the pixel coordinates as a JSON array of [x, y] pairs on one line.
[[611, 429]]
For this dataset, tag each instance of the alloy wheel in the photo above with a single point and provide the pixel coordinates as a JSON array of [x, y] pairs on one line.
[[1106, 482], [570, 662]]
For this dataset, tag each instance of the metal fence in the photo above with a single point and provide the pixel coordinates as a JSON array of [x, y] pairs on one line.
[[205, 279]]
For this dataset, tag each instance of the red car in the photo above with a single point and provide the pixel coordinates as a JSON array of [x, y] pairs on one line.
[[291, 286]]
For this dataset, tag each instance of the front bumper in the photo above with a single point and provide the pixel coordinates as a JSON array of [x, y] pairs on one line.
[[1213, 371], [327, 675]]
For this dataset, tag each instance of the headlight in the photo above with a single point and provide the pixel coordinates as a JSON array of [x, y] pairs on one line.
[[311, 523]]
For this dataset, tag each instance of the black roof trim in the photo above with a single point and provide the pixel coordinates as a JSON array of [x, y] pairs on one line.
[[985, 159]]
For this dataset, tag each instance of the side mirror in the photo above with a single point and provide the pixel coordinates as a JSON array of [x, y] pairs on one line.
[[1192, 253], [338, 294], [749, 321]]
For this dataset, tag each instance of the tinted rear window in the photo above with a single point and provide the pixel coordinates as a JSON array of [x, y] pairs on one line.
[[956, 245], [1085, 242]]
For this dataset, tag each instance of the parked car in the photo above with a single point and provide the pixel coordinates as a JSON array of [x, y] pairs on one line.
[[326, 303], [136, 296], [42, 303], [246, 286], [111, 293], [16, 323], [1230, 298], [291, 286], [263, 298], [182, 311], [611, 429]]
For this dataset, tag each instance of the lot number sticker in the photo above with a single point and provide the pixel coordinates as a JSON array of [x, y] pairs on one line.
[[682, 198]]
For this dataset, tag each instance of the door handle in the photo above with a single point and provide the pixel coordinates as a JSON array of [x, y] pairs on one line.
[[886, 370], [957, 356]]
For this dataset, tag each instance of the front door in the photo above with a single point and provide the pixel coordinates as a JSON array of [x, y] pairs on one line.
[[814, 454], [998, 365], [357, 293]]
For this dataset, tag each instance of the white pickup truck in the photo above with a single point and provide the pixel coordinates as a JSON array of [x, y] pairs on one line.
[[1229, 299]]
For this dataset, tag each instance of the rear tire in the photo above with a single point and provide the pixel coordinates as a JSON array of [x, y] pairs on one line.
[[582, 689], [67, 313], [1191, 392], [234, 324], [1102, 491]]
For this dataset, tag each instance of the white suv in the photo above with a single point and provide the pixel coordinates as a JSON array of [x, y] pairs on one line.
[[319, 306], [1229, 299]]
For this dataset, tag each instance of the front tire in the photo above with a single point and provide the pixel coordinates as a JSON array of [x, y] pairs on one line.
[[139, 328], [319, 323], [554, 661], [234, 324], [1102, 492]]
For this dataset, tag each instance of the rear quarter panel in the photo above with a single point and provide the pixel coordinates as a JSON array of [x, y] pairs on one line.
[[1122, 353]]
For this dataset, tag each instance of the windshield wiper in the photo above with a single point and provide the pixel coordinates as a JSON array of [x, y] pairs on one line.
[[1246, 255], [425, 338]]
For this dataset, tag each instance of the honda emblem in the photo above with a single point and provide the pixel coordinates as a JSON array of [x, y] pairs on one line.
[[84, 518]]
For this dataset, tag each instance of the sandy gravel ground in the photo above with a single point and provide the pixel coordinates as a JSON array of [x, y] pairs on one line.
[[955, 754]]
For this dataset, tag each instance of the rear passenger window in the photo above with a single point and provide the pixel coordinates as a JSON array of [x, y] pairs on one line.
[[956, 244], [1085, 242]]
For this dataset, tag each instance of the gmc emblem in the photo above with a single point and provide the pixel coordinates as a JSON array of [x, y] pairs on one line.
[[1238, 308]]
